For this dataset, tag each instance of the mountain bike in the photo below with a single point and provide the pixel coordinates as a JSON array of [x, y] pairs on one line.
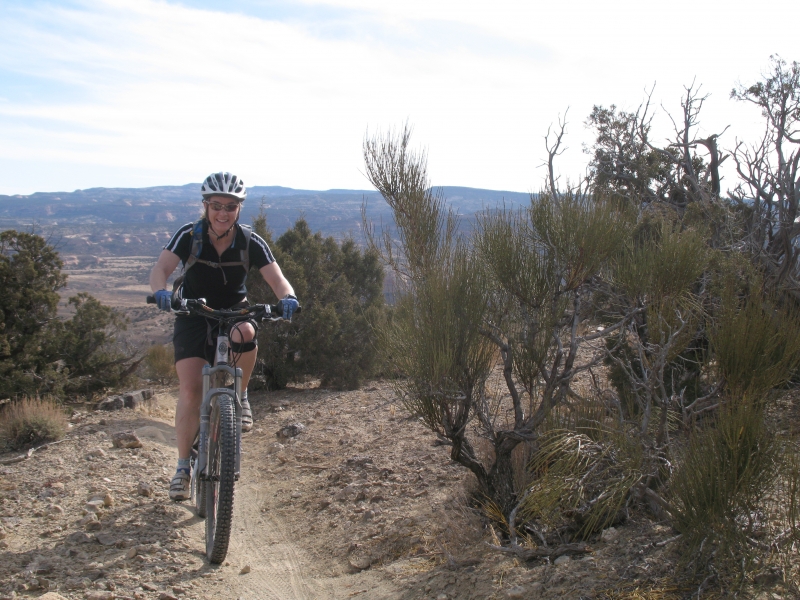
[[216, 455]]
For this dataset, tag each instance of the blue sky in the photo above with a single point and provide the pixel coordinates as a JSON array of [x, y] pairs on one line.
[[130, 93]]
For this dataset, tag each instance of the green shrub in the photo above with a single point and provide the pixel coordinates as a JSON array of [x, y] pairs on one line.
[[88, 347], [31, 421], [340, 287], [159, 364], [721, 483], [39, 353]]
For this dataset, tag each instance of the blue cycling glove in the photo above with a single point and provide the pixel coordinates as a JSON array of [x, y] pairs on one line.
[[164, 299], [289, 304]]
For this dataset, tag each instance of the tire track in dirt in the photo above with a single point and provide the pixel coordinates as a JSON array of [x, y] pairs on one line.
[[278, 568]]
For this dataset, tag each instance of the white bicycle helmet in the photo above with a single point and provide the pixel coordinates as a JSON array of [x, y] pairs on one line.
[[224, 184]]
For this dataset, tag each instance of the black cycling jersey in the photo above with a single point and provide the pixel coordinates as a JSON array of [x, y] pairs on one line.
[[204, 281]]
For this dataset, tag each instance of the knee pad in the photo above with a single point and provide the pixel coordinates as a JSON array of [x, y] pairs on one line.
[[240, 347]]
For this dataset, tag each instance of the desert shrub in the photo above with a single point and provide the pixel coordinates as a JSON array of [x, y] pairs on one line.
[[756, 340], [31, 421], [39, 353], [30, 277], [340, 287], [88, 347], [722, 480], [783, 507], [159, 364]]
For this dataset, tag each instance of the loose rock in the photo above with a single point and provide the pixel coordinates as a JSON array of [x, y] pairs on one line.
[[87, 519], [126, 439], [106, 539], [79, 538], [111, 403], [275, 447], [609, 535], [290, 431], [360, 563]]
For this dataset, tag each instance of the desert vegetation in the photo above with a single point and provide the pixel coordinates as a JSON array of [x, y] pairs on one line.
[[341, 287], [40, 353], [644, 275], [159, 364], [31, 421]]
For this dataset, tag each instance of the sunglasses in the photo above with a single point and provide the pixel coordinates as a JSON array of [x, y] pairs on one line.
[[226, 207]]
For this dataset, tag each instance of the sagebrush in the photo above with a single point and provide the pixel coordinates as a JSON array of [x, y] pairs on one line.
[[31, 421], [159, 364]]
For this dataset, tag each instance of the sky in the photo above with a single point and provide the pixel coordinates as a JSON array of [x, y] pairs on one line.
[[136, 93]]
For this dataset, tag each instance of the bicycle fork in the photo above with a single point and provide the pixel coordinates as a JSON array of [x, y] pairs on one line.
[[209, 395]]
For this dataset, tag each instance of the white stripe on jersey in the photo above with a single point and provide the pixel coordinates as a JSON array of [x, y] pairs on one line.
[[258, 240], [173, 242]]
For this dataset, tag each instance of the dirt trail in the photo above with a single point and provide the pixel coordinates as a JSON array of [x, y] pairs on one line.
[[360, 504], [279, 569], [141, 545]]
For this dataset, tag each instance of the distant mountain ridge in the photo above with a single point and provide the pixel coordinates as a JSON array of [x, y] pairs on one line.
[[100, 220]]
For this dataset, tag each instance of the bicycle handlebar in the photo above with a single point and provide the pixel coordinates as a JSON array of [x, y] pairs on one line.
[[262, 312]]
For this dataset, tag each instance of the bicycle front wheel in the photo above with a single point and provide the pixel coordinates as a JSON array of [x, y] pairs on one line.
[[220, 478]]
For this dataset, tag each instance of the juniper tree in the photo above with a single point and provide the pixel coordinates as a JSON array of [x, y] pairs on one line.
[[341, 290], [40, 353]]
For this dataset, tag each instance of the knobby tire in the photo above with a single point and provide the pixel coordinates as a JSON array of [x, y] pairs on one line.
[[220, 481], [198, 484]]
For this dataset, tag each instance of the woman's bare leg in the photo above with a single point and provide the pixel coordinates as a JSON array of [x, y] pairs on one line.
[[246, 360], [190, 397]]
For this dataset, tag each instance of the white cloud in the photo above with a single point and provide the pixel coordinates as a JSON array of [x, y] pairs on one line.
[[143, 89]]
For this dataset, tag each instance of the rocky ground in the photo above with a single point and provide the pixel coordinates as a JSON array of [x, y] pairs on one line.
[[360, 503]]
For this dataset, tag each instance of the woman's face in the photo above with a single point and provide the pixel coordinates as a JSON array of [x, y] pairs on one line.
[[219, 213]]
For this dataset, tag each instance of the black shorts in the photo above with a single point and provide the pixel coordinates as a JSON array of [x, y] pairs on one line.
[[195, 337]]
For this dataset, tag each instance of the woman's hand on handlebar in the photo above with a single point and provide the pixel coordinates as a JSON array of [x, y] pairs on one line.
[[289, 305], [163, 299]]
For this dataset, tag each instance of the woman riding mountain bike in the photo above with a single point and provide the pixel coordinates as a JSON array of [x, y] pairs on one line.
[[216, 253]]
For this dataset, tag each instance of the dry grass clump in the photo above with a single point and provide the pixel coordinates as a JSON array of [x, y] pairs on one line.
[[583, 483], [31, 421], [159, 364]]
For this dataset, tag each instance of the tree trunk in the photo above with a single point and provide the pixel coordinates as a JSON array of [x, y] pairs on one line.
[[500, 480]]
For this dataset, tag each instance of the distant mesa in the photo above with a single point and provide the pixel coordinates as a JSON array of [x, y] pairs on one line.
[[121, 221]]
